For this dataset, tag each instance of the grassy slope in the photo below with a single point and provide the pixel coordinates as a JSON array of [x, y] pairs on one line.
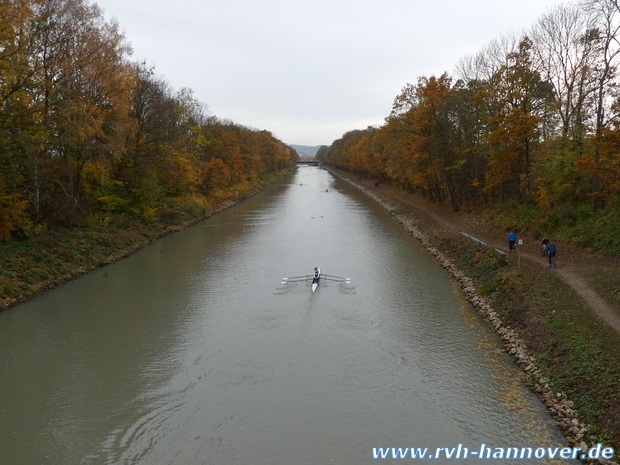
[[51, 258], [577, 351]]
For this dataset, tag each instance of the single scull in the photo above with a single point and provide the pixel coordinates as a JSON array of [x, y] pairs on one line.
[[315, 279]]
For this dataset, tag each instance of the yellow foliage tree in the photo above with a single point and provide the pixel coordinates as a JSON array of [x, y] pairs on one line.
[[12, 214]]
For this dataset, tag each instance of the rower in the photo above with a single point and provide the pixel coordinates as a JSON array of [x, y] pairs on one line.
[[317, 274]]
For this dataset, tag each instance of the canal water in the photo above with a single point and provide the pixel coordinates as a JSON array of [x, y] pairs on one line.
[[191, 351]]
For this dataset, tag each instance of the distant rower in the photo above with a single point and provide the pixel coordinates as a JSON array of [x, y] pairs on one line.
[[317, 277]]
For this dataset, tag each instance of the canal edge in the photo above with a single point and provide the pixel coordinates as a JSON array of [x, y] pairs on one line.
[[558, 405], [119, 254]]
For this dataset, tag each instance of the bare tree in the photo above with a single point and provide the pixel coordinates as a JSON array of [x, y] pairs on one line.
[[566, 56], [606, 16], [486, 63]]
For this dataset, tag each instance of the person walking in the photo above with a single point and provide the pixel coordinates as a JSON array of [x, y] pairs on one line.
[[552, 251], [544, 244], [512, 239]]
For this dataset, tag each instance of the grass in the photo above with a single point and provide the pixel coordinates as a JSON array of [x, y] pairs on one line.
[[571, 222], [576, 351], [607, 283], [56, 256]]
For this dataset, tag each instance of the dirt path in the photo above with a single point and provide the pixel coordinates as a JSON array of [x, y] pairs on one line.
[[569, 263]]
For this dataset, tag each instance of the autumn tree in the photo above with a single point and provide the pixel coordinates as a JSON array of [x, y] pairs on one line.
[[215, 176], [75, 89], [84, 130], [154, 120], [521, 100], [15, 101]]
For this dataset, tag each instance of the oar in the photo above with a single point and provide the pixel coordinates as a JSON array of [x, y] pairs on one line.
[[345, 280], [293, 280], [332, 276], [297, 277]]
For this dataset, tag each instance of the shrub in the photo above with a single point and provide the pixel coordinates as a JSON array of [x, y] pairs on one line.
[[12, 214]]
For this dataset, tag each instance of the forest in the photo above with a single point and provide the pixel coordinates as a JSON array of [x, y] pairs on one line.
[[527, 130], [90, 137]]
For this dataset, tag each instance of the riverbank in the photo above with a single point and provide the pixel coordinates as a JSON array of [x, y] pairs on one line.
[[45, 261], [571, 356]]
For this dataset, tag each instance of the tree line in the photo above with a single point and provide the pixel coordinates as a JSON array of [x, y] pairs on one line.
[[85, 132], [531, 123]]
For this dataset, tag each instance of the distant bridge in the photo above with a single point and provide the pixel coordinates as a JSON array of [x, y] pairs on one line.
[[308, 162]]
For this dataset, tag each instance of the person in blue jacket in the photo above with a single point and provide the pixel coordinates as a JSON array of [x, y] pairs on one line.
[[512, 239]]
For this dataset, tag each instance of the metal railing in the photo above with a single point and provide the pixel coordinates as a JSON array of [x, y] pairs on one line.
[[482, 243]]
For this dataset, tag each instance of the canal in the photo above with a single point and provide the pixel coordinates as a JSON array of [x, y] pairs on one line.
[[191, 351]]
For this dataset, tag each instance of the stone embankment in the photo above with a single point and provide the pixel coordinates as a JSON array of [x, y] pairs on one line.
[[560, 408]]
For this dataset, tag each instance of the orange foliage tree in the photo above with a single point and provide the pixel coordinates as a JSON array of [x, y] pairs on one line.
[[520, 101], [82, 128]]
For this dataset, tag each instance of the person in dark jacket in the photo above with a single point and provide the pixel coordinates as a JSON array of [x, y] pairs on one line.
[[552, 251]]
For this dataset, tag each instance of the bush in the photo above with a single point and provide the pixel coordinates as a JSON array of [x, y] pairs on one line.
[[515, 214], [600, 231], [12, 214], [487, 285]]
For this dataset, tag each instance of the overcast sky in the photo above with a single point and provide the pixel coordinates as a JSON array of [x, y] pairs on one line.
[[310, 71]]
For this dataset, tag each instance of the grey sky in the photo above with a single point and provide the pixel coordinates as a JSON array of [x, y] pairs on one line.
[[310, 71]]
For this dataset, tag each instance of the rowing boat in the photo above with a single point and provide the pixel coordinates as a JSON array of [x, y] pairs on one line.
[[315, 283], [315, 280]]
